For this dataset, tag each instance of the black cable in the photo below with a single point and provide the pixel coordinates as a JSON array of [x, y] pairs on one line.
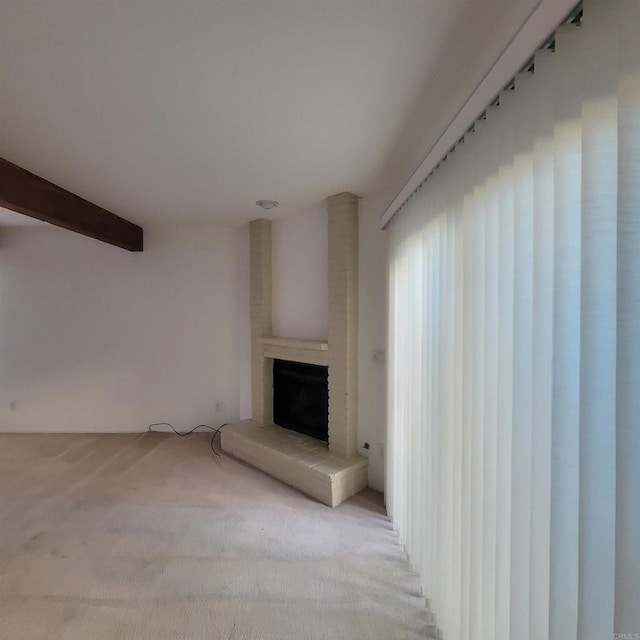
[[182, 434]]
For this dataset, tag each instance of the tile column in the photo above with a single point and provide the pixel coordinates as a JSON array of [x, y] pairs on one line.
[[343, 323], [261, 327]]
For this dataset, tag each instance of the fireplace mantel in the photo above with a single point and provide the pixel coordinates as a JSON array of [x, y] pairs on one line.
[[295, 350], [295, 343]]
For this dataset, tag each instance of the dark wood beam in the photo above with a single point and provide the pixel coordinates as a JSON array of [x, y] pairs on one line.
[[27, 193]]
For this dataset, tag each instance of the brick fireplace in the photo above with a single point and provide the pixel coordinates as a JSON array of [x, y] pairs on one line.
[[329, 472]]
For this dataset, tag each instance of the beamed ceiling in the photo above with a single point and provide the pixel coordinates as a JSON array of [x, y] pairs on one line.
[[191, 111]]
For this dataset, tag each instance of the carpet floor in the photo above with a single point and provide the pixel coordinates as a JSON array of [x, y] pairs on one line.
[[150, 537]]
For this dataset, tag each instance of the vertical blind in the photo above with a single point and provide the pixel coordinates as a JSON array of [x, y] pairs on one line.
[[513, 459]]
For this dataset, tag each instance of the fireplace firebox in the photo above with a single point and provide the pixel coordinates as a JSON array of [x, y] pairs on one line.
[[301, 398]]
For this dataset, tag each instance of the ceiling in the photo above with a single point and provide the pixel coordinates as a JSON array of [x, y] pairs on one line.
[[13, 219], [167, 111]]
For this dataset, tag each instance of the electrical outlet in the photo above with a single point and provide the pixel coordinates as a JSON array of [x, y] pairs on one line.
[[218, 406], [379, 356]]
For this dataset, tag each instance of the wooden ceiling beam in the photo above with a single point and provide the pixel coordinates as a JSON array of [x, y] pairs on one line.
[[26, 193]]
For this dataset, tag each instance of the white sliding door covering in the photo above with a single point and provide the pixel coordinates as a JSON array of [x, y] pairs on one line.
[[514, 336]]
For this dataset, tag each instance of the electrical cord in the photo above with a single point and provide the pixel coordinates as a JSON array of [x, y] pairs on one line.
[[182, 434]]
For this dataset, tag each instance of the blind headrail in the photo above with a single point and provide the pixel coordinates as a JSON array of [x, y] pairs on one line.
[[537, 32]]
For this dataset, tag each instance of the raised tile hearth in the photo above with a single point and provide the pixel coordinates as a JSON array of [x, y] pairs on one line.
[[298, 460], [334, 472]]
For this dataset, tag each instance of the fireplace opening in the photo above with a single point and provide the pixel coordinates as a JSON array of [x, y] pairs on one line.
[[301, 398]]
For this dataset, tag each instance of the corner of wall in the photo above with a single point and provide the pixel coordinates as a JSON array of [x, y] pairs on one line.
[[372, 335]]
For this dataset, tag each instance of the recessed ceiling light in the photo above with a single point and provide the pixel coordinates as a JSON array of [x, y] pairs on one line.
[[267, 204]]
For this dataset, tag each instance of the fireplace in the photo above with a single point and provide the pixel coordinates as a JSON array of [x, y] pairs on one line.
[[299, 387], [301, 398]]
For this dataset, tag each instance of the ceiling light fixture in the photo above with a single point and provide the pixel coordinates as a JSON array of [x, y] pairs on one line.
[[267, 204]]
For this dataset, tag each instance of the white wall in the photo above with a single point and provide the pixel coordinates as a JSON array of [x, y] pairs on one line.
[[372, 335], [300, 274], [93, 338], [243, 319]]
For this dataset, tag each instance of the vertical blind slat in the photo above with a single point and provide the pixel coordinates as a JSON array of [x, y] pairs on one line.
[[598, 325], [505, 371], [627, 585], [565, 419], [522, 360], [543, 247]]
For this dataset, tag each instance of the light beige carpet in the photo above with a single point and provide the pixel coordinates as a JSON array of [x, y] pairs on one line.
[[134, 537]]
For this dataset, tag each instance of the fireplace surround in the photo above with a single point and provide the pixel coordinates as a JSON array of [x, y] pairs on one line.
[[329, 471]]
